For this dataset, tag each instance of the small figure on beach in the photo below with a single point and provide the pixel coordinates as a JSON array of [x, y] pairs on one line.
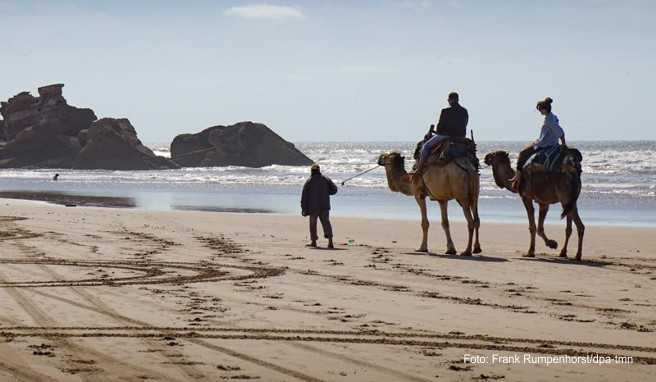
[[550, 133], [315, 203], [56, 177], [452, 123]]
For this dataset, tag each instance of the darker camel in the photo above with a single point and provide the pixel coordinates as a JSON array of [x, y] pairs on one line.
[[544, 188]]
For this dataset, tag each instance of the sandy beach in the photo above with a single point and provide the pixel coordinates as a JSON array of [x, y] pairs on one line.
[[95, 294]]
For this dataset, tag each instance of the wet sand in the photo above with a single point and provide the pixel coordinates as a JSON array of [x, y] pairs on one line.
[[70, 200], [117, 294]]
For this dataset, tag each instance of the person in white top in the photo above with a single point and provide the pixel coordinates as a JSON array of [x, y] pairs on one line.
[[550, 134]]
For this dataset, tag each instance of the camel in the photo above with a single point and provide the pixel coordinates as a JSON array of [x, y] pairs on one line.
[[441, 183], [544, 188]]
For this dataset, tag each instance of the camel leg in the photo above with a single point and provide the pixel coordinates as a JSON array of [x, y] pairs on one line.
[[477, 224], [568, 233], [544, 208], [421, 201], [580, 230], [466, 209], [530, 212], [450, 248]]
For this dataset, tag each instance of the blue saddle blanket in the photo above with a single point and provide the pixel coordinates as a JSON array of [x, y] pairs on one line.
[[456, 151], [549, 157]]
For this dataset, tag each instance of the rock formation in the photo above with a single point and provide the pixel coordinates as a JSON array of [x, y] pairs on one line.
[[38, 130], [113, 144], [243, 144], [3, 139], [46, 132]]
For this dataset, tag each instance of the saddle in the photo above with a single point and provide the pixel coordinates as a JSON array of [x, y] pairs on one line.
[[462, 151], [558, 159]]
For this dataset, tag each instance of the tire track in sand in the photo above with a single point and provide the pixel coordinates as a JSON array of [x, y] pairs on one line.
[[151, 272], [41, 318], [19, 368], [385, 370], [198, 341], [301, 335], [173, 360], [257, 273]]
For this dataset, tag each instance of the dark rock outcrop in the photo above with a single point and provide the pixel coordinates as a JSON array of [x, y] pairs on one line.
[[113, 144], [40, 131], [3, 139], [245, 144], [46, 132]]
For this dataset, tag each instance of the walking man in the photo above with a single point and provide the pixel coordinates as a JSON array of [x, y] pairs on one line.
[[315, 203]]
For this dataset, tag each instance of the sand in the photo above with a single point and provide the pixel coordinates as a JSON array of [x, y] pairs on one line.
[[95, 294]]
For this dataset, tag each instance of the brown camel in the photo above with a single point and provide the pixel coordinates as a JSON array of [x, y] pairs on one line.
[[441, 183], [544, 188]]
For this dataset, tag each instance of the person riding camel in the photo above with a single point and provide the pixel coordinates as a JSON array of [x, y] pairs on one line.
[[452, 123], [550, 133]]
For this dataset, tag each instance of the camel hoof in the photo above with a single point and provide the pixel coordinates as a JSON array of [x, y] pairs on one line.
[[553, 244], [530, 254], [451, 251], [578, 257], [477, 249], [563, 254], [422, 250], [466, 253]]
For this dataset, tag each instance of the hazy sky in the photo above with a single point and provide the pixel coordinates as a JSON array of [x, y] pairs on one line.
[[341, 70]]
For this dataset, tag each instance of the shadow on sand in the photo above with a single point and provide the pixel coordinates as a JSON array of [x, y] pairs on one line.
[[327, 249], [482, 258], [568, 261]]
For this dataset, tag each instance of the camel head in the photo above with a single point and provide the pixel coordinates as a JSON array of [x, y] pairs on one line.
[[500, 163], [397, 177], [393, 159], [497, 158]]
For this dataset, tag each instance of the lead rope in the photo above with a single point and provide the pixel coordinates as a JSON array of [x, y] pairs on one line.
[[359, 174]]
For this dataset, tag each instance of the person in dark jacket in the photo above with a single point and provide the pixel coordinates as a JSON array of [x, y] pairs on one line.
[[452, 123], [453, 119], [315, 203]]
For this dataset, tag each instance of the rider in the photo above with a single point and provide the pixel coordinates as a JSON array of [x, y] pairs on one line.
[[452, 123], [549, 135]]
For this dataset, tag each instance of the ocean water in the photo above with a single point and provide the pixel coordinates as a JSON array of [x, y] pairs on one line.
[[619, 184]]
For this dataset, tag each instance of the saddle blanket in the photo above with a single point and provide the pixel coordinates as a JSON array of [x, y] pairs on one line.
[[551, 158]]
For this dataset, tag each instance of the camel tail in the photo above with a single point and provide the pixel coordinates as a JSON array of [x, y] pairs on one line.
[[575, 191]]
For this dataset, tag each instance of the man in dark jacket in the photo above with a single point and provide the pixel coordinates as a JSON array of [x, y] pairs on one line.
[[315, 203], [453, 119], [452, 123]]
